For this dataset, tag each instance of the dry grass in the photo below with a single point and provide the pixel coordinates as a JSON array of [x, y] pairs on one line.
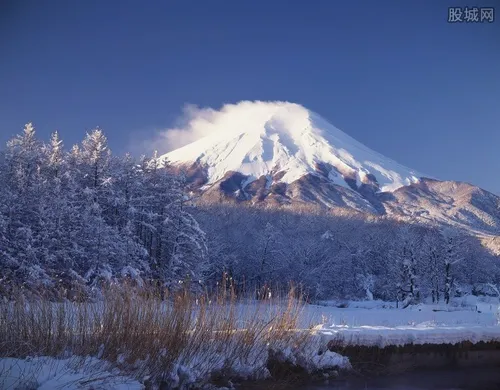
[[135, 328]]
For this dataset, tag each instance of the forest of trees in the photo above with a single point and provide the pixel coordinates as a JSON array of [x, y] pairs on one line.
[[81, 216], [346, 256]]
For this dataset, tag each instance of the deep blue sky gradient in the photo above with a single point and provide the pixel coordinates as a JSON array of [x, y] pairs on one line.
[[392, 74]]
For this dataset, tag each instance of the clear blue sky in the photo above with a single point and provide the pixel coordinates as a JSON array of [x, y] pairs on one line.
[[392, 74]]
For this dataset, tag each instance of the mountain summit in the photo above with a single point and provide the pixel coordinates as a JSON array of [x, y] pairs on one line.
[[282, 142]]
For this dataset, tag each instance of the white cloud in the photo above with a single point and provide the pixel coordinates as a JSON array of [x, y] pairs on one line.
[[196, 122]]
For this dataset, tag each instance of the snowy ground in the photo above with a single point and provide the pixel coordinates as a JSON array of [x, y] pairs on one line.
[[46, 373], [378, 323], [381, 324]]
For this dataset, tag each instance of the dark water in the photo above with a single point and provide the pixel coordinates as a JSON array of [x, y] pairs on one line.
[[458, 379]]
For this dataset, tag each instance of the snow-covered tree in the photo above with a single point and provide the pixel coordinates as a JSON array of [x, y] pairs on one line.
[[453, 254], [85, 216], [432, 249], [405, 253], [96, 158]]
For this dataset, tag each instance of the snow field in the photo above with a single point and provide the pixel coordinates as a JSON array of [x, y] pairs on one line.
[[380, 324]]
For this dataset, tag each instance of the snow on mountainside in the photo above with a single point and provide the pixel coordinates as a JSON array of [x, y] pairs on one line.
[[283, 142]]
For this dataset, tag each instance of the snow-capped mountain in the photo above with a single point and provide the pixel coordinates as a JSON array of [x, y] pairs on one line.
[[283, 142], [282, 153]]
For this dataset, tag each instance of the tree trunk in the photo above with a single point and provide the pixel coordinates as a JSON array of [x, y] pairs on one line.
[[447, 285]]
